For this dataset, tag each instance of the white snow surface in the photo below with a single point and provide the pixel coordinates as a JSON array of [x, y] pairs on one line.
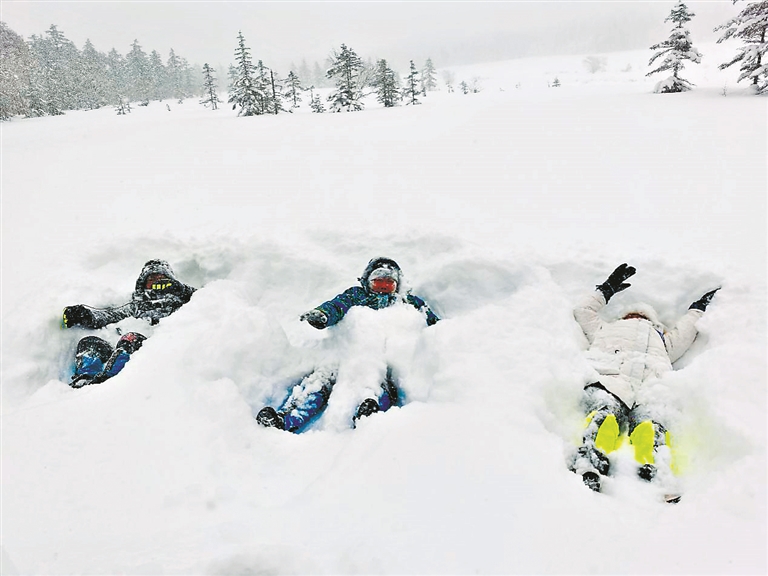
[[503, 208]]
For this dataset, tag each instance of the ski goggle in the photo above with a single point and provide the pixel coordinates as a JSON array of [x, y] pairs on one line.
[[383, 285], [157, 282]]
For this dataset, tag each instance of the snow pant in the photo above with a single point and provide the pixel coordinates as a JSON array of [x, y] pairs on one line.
[[309, 397], [608, 421], [96, 360]]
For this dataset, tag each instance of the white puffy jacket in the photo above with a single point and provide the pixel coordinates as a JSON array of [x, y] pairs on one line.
[[627, 353]]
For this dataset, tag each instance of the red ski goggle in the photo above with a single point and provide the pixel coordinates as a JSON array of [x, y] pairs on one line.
[[157, 282], [383, 285]]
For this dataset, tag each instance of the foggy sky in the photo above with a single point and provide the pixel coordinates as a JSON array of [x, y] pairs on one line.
[[283, 33]]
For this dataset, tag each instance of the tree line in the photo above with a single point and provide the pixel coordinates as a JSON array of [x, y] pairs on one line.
[[255, 89], [48, 74]]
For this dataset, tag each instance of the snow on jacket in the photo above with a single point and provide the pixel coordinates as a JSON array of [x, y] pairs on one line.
[[336, 308], [628, 352]]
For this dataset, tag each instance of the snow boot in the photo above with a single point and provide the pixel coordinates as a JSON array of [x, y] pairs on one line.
[[367, 407], [591, 480], [647, 472], [271, 418], [591, 457]]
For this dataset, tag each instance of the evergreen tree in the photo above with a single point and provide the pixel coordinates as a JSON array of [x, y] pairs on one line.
[[345, 70], [209, 88], [275, 93], [140, 86], [674, 50], [117, 80], [315, 103], [92, 86], [52, 84], [412, 86], [293, 89], [177, 77], [428, 77], [464, 87], [158, 77], [15, 67], [750, 26], [385, 85], [244, 92]]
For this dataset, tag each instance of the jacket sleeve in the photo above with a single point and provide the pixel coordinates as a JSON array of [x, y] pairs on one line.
[[95, 318], [586, 314], [679, 339], [336, 308], [421, 306]]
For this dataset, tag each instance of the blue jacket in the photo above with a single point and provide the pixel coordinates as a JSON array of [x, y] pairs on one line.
[[337, 307]]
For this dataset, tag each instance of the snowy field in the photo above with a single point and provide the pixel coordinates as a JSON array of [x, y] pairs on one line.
[[503, 208]]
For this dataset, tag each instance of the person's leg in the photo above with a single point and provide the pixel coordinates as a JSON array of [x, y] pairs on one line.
[[305, 402], [607, 419], [647, 436], [390, 396], [91, 355]]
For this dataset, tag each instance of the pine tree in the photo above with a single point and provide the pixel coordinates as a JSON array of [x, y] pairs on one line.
[[385, 85], [428, 77], [315, 103], [92, 78], [293, 89], [411, 86], [158, 77], [275, 92], [209, 88], [117, 80], [138, 74], [15, 66], [674, 50], [53, 78], [244, 92], [750, 26], [345, 70]]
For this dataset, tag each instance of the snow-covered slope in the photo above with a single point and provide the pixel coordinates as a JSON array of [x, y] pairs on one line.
[[503, 208]]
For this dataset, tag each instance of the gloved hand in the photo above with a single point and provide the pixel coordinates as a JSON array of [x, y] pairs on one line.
[[703, 302], [615, 282], [316, 318], [82, 380], [78, 315], [130, 342]]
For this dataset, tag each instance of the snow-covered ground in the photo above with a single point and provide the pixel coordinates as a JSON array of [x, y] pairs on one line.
[[503, 208]]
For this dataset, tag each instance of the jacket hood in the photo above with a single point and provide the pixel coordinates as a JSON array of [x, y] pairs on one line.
[[153, 267], [645, 310], [376, 263]]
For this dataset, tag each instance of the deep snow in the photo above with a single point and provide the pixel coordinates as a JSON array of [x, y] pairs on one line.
[[503, 208]]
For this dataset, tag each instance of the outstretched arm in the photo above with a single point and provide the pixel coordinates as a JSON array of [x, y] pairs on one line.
[[95, 318], [331, 312], [587, 314], [421, 306]]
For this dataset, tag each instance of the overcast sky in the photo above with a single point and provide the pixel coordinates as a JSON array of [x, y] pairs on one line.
[[283, 33]]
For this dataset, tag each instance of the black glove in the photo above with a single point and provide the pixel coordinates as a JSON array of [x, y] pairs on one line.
[[316, 318], [615, 282], [78, 315], [703, 302]]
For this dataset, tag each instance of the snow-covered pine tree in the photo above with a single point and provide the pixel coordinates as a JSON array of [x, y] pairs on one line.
[[315, 103], [244, 91], [117, 80], [428, 77], [412, 86], [385, 84], [293, 89], [209, 88], [92, 78], [157, 76], [750, 26], [674, 50], [15, 67], [54, 72], [274, 94], [138, 72], [344, 70]]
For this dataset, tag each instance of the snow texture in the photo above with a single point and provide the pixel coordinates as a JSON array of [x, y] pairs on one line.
[[503, 209]]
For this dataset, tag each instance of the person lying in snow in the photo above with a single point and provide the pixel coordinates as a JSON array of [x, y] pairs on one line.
[[627, 354], [157, 294], [381, 286]]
